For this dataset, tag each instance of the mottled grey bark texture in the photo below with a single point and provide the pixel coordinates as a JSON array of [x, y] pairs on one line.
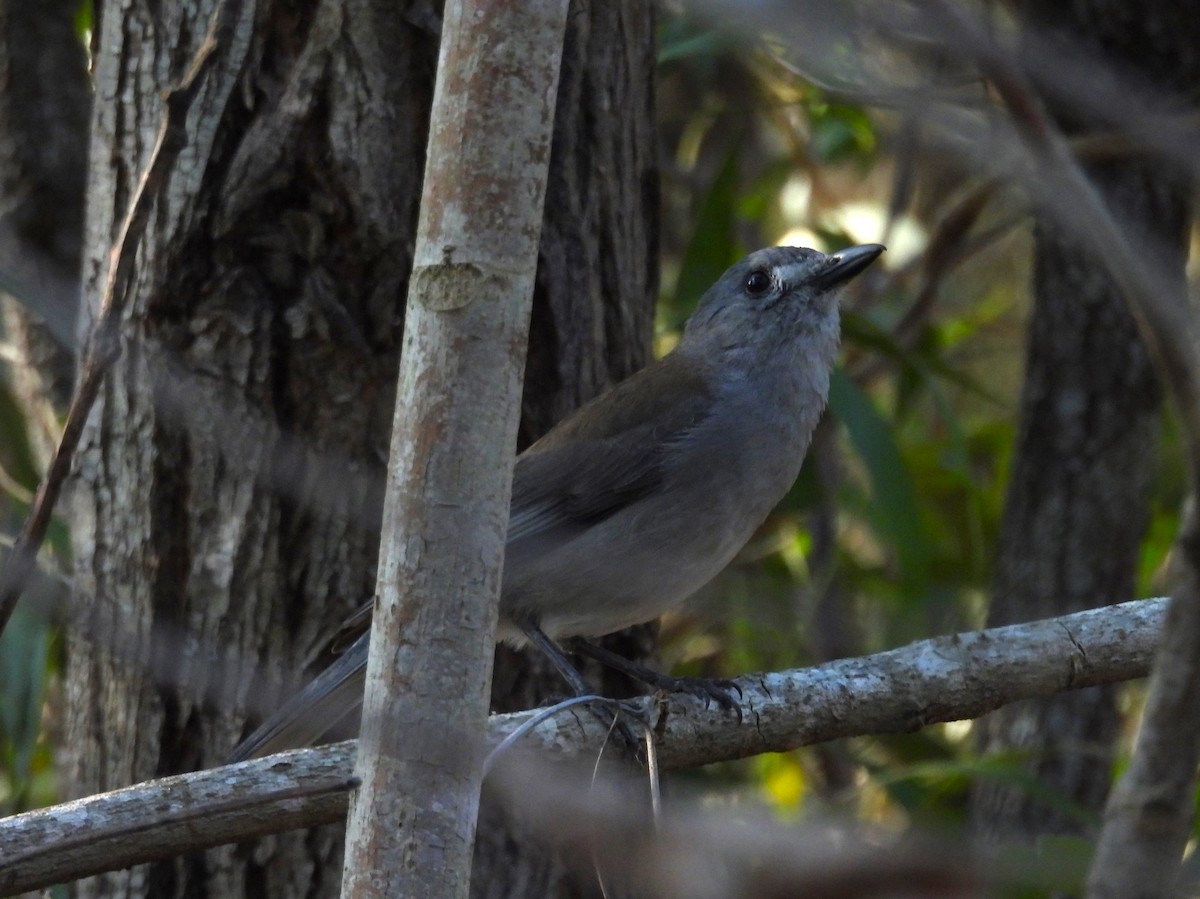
[[227, 500], [1076, 509], [229, 488], [410, 830]]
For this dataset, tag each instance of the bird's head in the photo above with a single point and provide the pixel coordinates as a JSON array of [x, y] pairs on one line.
[[774, 298]]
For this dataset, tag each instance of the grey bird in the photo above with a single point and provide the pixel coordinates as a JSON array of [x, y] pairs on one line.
[[639, 498]]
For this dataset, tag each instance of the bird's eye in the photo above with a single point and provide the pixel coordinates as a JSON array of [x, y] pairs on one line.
[[757, 283]]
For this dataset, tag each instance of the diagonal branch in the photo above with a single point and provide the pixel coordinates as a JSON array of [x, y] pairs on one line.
[[943, 679], [103, 346]]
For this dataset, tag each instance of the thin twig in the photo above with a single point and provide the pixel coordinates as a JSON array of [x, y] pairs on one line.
[[103, 346], [1157, 304], [542, 715]]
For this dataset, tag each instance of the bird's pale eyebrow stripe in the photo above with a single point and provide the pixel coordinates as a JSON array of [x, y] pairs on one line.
[[790, 273]]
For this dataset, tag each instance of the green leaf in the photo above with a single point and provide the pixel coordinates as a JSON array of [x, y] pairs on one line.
[[14, 448], [863, 332], [24, 663], [713, 247], [675, 44], [895, 513], [840, 133], [83, 21]]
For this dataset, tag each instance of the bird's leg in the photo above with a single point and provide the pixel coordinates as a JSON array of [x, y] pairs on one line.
[[554, 653], [574, 679], [715, 690]]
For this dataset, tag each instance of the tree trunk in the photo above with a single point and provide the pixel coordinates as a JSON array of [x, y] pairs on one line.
[[1076, 509], [229, 486]]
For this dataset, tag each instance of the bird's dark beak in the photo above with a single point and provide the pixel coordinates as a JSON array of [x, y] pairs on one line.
[[845, 264]]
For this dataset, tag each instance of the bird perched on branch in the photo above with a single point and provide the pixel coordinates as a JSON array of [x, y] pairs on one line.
[[644, 494]]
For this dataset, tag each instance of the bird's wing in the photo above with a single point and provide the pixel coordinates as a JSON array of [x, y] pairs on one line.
[[587, 468], [596, 463]]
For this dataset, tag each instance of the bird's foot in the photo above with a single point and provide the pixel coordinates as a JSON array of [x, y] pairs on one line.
[[719, 690], [611, 713]]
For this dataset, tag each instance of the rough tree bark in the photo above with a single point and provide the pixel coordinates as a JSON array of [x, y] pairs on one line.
[[228, 495], [1076, 509]]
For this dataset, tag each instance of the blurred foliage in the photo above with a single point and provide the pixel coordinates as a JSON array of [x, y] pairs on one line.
[[925, 405], [30, 648], [29, 663], [755, 156]]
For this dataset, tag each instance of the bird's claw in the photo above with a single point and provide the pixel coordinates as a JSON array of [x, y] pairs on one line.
[[718, 690]]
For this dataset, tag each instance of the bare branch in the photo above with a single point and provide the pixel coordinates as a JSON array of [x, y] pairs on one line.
[[165, 817], [943, 679]]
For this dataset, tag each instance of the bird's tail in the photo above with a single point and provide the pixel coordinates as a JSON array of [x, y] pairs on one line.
[[324, 703]]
